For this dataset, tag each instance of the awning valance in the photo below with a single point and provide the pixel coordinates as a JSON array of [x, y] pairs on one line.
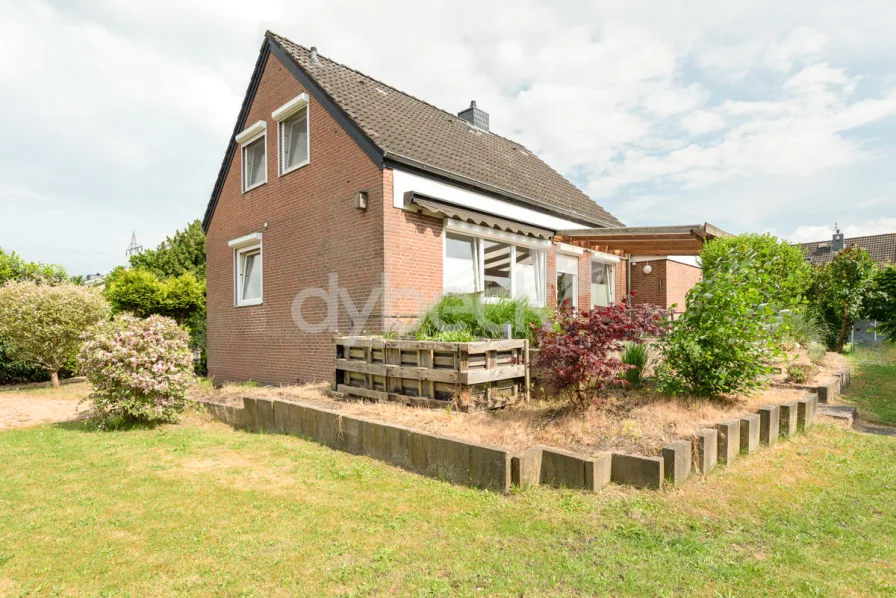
[[448, 210]]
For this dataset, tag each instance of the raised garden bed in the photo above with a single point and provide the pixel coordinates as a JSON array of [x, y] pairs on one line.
[[467, 376]]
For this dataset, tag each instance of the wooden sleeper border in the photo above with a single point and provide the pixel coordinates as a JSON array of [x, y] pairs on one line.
[[496, 469]]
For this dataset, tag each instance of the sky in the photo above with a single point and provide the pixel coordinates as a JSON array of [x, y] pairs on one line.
[[755, 116]]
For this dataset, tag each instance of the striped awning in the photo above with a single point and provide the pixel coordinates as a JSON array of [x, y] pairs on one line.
[[449, 210]]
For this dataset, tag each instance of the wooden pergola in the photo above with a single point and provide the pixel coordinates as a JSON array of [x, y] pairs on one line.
[[685, 239]]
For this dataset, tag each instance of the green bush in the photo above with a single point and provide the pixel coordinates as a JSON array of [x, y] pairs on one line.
[[462, 318], [780, 266], [723, 342], [882, 304], [140, 369], [636, 355]]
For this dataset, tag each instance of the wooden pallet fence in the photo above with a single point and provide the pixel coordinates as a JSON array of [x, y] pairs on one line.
[[468, 376]]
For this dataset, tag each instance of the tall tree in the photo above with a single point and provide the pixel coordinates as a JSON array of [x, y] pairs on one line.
[[184, 252], [13, 267], [842, 290]]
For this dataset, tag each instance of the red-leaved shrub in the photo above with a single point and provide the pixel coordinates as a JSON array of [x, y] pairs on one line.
[[580, 352]]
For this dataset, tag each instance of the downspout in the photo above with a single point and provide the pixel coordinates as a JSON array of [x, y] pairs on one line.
[[628, 276]]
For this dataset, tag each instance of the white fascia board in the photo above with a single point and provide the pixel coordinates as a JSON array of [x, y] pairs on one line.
[[290, 107], [403, 182], [569, 249], [607, 258], [251, 132], [251, 239], [647, 258]]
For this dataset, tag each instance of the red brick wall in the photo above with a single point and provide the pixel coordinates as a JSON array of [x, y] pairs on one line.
[[649, 288], [621, 280], [679, 280], [413, 261], [312, 230], [667, 283]]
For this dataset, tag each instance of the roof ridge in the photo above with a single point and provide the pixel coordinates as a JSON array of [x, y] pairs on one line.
[[404, 93]]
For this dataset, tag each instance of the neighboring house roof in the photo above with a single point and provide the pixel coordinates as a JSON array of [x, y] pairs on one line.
[[882, 248], [405, 130]]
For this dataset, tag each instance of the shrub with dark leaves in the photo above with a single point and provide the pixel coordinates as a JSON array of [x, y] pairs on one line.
[[580, 353]]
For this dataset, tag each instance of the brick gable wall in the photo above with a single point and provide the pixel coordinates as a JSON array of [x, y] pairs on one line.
[[312, 230]]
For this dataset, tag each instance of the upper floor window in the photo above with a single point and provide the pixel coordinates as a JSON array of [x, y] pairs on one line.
[[292, 135], [253, 142]]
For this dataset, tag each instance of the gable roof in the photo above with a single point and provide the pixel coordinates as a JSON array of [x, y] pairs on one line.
[[882, 248], [395, 127]]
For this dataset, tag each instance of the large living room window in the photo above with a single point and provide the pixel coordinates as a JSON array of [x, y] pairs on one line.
[[495, 268], [247, 270], [253, 142], [292, 134]]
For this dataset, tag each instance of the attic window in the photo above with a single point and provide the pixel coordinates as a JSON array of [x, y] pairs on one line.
[[253, 141], [292, 134]]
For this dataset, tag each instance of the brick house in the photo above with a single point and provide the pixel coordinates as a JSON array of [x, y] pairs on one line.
[[343, 204]]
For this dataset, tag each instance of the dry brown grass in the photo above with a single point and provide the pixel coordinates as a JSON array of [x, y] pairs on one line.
[[638, 422]]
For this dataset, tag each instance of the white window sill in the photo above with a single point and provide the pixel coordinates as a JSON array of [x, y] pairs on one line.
[[296, 167], [249, 303], [255, 186]]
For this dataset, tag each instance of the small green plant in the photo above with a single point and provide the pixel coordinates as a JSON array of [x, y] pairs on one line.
[[461, 318], [806, 327], [816, 352], [461, 335], [637, 356], [390, 334], [797, 374]]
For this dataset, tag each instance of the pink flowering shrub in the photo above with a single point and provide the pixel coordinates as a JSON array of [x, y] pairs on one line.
[[140, 369]]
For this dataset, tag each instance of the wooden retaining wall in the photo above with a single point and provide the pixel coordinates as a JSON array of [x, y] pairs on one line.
[[468, 376]]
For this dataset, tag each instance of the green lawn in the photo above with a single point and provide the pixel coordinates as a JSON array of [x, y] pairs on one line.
[[198, 509], [873, 389]]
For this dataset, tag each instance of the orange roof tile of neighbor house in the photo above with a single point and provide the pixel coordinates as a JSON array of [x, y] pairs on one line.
[[405, 130]]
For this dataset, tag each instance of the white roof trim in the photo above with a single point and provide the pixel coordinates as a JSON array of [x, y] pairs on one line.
[[290, 107], [569, 249], [251, 132], [607, 258], [250, 239]]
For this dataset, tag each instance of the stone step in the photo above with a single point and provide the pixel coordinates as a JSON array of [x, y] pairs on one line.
[[847, 413]]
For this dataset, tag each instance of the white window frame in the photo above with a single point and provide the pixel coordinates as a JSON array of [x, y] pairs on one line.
[[569, 251], [250, 135], [241, 246], [481, 233], [283, 114], [610, 260]]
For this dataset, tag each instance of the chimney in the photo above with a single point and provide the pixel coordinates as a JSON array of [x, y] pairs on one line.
[[837, 242], [475, 116], [314, 59]]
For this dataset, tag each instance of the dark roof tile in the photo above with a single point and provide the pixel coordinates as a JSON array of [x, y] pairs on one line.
[[882, 248], [405, 126]]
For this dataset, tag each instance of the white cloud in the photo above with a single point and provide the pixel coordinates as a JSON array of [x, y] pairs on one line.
[[878, 226], [750, 115]]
